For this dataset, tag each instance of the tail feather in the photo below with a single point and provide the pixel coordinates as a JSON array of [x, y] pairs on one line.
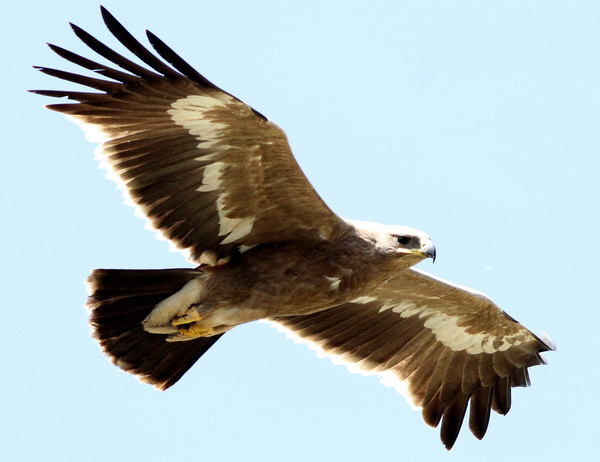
[[119, 301]]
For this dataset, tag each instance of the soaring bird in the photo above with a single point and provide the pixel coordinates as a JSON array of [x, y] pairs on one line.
[[218, 180]]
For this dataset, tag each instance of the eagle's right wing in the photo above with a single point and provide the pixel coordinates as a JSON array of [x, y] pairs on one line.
[[211, 174]]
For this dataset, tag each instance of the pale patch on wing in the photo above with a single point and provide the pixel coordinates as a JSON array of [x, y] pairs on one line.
[[406, 308], [233, 228], [334, 282], [363, 300], [447, 331], [387, 378], [211, 179], [451, 329], [244, 248], [208, 257], [190, 113], [193, 114]]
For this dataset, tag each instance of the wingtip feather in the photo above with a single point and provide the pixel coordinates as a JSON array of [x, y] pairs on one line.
[[108, 17]]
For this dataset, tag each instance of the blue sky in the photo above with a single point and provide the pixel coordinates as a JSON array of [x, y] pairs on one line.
[[476, 122]]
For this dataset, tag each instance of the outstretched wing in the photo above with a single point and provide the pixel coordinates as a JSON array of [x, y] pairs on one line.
[[443, 345], [211, 174]]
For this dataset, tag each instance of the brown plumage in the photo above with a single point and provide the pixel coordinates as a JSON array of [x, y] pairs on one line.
[[219, 181]]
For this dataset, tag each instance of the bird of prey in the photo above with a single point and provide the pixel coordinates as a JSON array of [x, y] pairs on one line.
[[218, 180]]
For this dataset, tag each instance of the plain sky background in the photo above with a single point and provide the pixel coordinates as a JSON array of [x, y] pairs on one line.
[[476, 122]]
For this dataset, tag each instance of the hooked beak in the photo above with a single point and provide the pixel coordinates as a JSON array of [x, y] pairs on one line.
[[427, 250]]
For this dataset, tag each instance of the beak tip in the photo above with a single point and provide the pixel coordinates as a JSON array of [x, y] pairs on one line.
[[431, 253]]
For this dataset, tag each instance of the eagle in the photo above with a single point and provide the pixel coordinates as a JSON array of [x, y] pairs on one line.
[[218, 180]]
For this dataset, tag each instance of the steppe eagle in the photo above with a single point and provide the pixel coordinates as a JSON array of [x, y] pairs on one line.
[[219, 181]]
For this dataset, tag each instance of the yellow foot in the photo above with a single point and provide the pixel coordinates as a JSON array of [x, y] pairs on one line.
[[196, 330], [190, 332]]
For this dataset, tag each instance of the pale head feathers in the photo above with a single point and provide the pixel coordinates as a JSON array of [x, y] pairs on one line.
[[385, 237]]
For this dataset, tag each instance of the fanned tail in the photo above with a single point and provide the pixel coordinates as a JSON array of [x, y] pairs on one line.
[[119, 300]]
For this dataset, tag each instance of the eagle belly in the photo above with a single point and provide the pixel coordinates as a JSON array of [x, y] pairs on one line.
[[268, 281], [285, 280]]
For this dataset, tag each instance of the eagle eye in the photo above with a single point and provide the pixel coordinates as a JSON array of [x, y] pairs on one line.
[[403, 240]]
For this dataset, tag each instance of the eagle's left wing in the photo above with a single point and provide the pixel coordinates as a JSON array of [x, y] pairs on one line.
[[442, 344]]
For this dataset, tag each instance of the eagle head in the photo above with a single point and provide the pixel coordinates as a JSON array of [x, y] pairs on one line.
[[401, 241]]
